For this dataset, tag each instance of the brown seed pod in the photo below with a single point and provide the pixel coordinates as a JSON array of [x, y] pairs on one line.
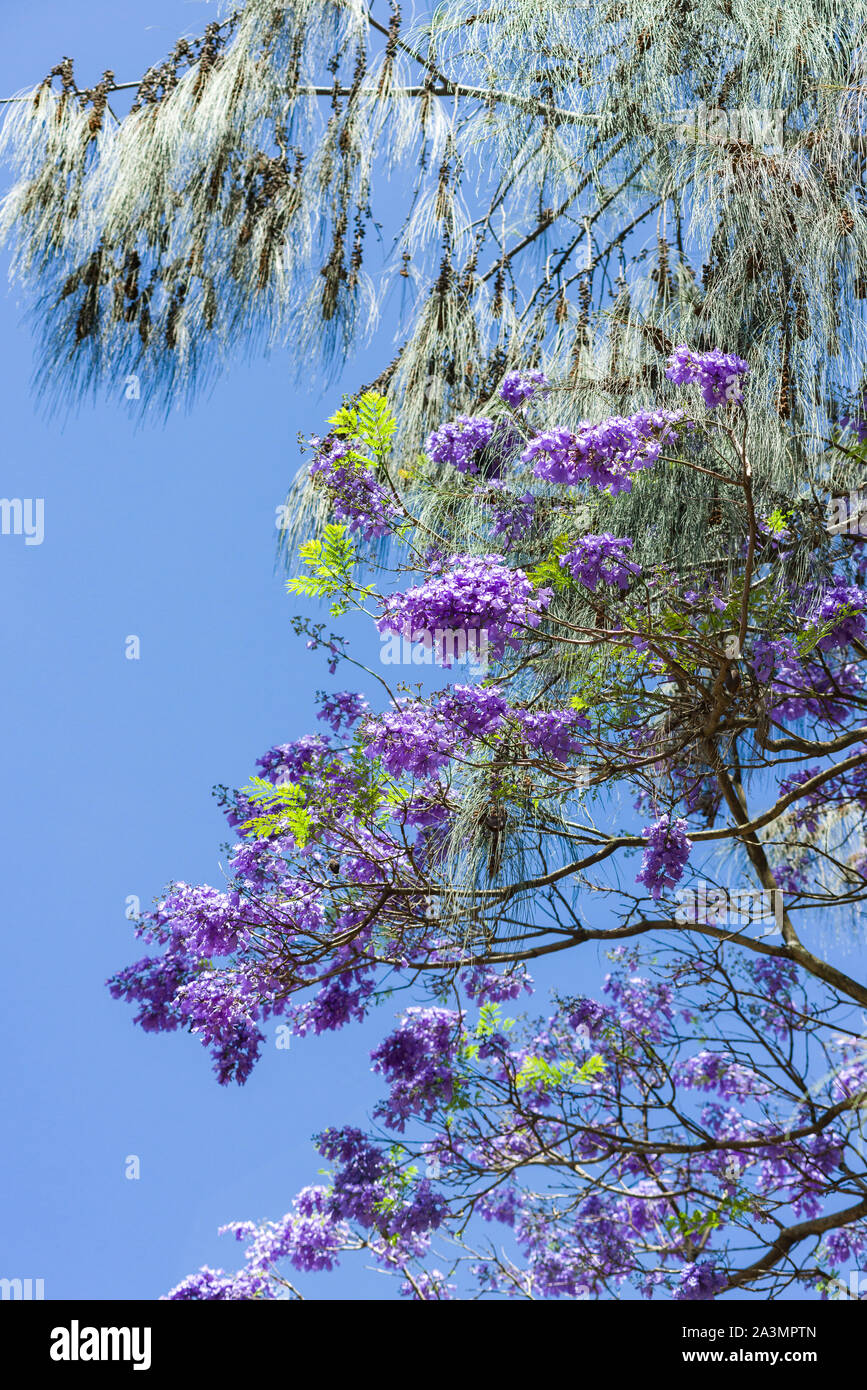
[[785, 395]]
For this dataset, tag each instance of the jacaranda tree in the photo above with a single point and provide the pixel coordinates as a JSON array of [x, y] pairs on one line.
[[619, 479], [696, 1127]]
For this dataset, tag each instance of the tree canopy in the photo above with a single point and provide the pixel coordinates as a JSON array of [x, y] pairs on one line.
[[698, 1127]]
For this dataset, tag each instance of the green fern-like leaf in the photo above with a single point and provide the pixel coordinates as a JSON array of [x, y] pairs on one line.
[[332, 560], [370, 421], [283, 810]]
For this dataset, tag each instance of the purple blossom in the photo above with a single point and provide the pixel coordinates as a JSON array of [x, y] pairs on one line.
[[717, 373], [665, 856], [339, 1001], [289, 761], [842, 1245], [206, 922], [215, 1286], [552, 732], [366, 1190], [358, 498], [416, 1060], [345, 707], [359, 1182], [487, 986], [843, 605], [552, 456], [412, 738], [477, 593], [700, 1281], [310, 1238], [223, 1008], [153, 983], [643, 1007], [513, 517], [604, 455], [460, 442], [473, 710], [518, 387], [504, 1204], [423, 1213], [714, 1071], [419, 737], [798, 687], [601, 559]]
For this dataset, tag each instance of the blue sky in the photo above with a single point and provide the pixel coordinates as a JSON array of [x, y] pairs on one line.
[[166, 532]]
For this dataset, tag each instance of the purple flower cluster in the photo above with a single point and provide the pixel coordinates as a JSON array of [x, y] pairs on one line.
[[478, 593], [518, 387], [310, 1236], [409, 739], [714, 1071], [340, 1001], [487, 986], [513, 517], [215, 1286], [664, 858], [153, 984], [416, 1060], [552, 455], [424, 810], [206, 922], [552, 732], [700, 1281], [419, 737], [843, 605], [223, 1009], [357, 497], [460, 441], [601, 559], [718, 374], [359, 1180], [473, 710], [605, 455], [366, 1190], [799, 688], [345, 707], [643, 1006], [288, 761]]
